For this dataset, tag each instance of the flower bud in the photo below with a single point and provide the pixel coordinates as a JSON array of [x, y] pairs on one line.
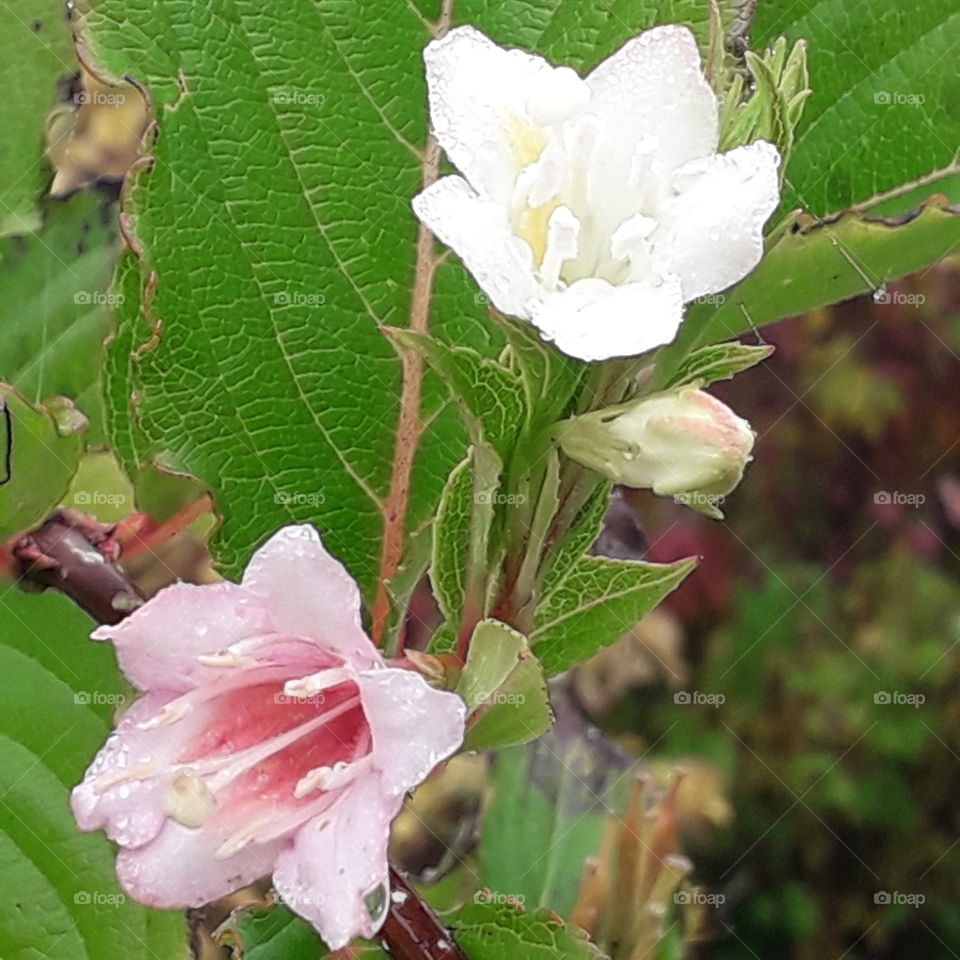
[[682, 443]]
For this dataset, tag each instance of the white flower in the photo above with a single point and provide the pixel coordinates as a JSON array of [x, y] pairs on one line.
[[593, 208], [682, 443]]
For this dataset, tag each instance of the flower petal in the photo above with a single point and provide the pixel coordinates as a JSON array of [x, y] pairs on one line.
[[487, 105], [335, 874], [594, 320], [652, 89], [480, 233], [131, 811], [309, 594], [413, 725], [157, 646], [179, 867], [712, 230]]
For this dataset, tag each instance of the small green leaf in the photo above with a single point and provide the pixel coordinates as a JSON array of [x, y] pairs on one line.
[[595, 603], [42, 463], [488, 395], [549, 377], [494, 931], [721, 361], [504, 688], [451, 540]]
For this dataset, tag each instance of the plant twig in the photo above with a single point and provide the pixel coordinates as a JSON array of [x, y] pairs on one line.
[[73, 553]]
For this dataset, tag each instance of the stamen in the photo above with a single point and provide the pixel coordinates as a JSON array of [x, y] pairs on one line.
[[188, 800], [169, 714]]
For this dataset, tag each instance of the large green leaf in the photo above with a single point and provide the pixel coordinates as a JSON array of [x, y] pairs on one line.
[[36, 53], [885, 92], [274, 237], [57, 884], [52, 285]]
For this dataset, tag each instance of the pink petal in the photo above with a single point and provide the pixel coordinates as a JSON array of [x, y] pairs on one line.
[[310, 594], [335, 874], [131, 811], [179, 867], [413, 726], [158, 645]]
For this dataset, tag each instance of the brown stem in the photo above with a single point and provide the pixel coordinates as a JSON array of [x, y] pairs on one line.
[[412, 931], [409, 426], [73, 553]]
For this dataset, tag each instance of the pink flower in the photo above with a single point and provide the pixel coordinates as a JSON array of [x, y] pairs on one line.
[[272, 737]]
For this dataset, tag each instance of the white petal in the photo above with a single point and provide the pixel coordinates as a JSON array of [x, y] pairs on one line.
[[480, 234], [654, 87], [308, 593], [712, 230], [563, 232], [593, 320], [413, 725], [336, 870], [479, 98]]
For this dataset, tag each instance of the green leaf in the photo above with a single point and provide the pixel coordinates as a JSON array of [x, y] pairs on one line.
[[36, 56], [489, 396], [272, 382], [269, 934], [504, 688], [720, 361], [59, 690], [546, 815], [595, 603], [451, 540], [42, 463], [549, 377], [55, 310], [493, 931], [580, 35], [813, 264], [885, 89]]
